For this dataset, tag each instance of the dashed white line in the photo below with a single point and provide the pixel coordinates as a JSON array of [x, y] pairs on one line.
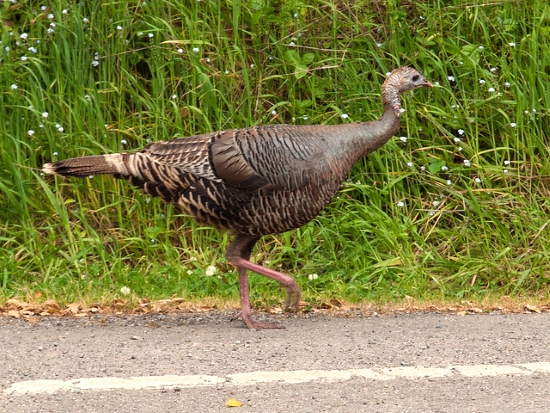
[[259, 377]]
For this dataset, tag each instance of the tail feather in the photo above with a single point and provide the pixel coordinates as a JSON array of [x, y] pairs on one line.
[[88, 165]]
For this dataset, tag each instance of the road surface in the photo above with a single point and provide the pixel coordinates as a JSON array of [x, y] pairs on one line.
[[199, 362]]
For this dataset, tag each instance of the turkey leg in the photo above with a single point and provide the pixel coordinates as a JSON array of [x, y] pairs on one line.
[[238, 253]]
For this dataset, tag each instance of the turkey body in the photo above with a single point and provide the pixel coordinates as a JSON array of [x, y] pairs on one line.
[[253, 181], [258, 181]]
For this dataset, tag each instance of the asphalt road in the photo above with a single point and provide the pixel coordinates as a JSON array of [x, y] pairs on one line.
[[198, 362]]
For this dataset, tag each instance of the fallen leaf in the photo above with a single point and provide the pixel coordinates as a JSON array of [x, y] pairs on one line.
[[275, 310], [532, 308], [233, 403], [336, 303], [73, 307], [14, 313]]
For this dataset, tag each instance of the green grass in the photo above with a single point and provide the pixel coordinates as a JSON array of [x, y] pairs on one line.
[[414, 219]]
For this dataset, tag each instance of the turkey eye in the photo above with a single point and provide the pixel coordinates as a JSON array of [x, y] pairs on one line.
[[415, 78]]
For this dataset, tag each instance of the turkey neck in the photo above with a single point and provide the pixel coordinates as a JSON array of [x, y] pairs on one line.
[[361, 138]]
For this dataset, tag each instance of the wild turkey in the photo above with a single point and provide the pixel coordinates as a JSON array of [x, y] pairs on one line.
[[254, 181]]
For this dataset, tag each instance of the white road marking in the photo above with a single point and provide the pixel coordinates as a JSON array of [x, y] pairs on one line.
[[259, 377]]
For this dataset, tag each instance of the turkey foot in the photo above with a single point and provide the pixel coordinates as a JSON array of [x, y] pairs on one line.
[[238, 254]]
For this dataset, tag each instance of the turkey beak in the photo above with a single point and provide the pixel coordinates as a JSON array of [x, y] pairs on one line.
[[427, 84]]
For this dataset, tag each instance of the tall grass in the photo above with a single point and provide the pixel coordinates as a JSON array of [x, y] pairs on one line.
[[454, 207]]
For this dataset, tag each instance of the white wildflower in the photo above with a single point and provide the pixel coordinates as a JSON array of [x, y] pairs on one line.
[[481, 81], [85, 20], [273, 112], [493, 69], [477, 180], [210, 271], [45, 114], [119, 27], [150, 35], [491, 89], [312, 277], [451, 78], [512, 44], [410, 164], [344, 116], [467, 162], [513, 124], [456, 139], [30, 132], [449, 182], [196, 49], [65, 11], [505, 171], [400, 204], [125, 290], [174, 96], [23, 58], [123, 141], [51, 16], [32, 49], [507, 84], [444, 168], [13, 86], [403, 139], [23, 36], [180, 50], [506, 162]]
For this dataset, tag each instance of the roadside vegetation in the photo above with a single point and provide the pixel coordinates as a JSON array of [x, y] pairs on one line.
[[456, 207]]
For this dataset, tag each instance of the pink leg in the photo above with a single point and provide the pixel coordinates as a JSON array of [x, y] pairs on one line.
[[238, 254]]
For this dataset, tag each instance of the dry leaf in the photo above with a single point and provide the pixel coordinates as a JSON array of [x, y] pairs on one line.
[[275, 310], [14, 313], [233, 403], [532, 308], [73, 307], [336, 303]]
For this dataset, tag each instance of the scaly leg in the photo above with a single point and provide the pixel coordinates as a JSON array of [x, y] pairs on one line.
[[238, 253]]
